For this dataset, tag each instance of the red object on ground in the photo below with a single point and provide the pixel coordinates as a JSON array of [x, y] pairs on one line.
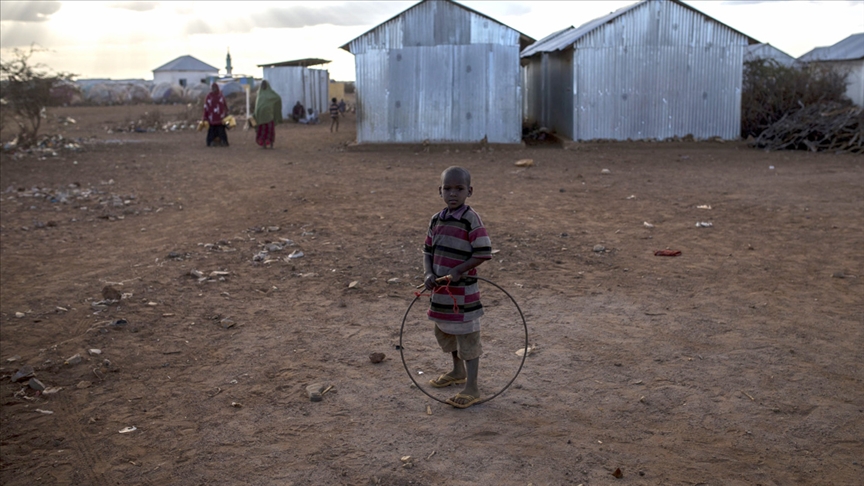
[[667, 253]]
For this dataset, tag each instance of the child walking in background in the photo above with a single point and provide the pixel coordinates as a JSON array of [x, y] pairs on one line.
[[334, 114], [456, 243]]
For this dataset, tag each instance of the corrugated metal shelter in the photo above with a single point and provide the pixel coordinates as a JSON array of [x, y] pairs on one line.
[[294, 81], [441, 72], [846, 56], [767, 51], [656, 69], [185, 71]]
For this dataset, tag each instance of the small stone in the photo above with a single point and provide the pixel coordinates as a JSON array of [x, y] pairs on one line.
[[36, 384], [838, 275], [110, 293], [353, 284], [605, 171], [314, 392], [406, 459], [19, 315], [94, 351], [119, 323], [24, 373], [393, 280], [73, 360], [236, 404], [227, 323], [377, 357], [296, 254], [599, 248], [83, 384], [196, 273], [13, 359]]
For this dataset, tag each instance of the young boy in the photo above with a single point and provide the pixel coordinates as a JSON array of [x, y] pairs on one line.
[[334, 115], [456, 243]]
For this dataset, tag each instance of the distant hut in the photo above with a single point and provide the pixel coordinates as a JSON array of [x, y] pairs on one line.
[[184, 71], [441, 72], [294, 81], [653, 70], [847, 57], [767, 51]]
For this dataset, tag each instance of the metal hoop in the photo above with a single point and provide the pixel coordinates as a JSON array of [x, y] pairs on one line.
[[521, 364]]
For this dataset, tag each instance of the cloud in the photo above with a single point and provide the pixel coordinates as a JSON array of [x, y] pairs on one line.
[[298, 16], [28, 11], [17, 36], [136, 6]]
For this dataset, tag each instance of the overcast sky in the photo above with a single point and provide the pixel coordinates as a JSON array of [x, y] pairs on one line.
[[122, 40]]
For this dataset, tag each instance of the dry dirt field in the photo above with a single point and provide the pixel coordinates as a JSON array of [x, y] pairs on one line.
[[739, 362]]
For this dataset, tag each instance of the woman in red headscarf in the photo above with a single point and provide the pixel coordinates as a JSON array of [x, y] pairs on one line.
[[215, 110]]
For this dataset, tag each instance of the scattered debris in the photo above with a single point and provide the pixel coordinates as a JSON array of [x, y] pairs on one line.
[[377, 357], [236, 404], [525, 163], [526, 351], [599, 248], [704, 224], [703, 206], [606, 171], [647, 224], [23, 374], [111, 294], [315, 392], [296, 254], [36, 385], [83, 384], [46, 412], [20, 315], [617, 473], [126, 430], [353, 284], [73, 360], [667, 253]]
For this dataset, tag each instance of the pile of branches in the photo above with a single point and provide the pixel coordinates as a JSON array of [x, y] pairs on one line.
[[771, 91], [833, 127]]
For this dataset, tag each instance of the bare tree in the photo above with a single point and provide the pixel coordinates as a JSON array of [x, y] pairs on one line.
[[26, 91]]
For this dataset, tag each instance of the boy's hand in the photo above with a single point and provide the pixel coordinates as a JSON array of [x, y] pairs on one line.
[[429, 281], [454, 275]]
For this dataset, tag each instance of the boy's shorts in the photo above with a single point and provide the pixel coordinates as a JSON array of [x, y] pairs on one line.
[[467, 345]]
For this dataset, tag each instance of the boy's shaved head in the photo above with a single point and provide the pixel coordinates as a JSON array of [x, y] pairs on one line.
[[463, 173]]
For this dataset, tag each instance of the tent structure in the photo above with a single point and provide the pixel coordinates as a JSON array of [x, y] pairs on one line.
[[296, 81], [438, 72], [656, 69]]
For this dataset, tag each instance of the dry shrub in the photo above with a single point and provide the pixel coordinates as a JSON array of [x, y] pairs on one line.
[[772, 91]]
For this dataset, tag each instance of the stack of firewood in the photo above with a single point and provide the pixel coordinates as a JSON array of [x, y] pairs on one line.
[[821, 127]]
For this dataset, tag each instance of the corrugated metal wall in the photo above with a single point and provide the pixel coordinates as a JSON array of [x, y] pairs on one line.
[[294, 83], [656, 72], [440, 73]]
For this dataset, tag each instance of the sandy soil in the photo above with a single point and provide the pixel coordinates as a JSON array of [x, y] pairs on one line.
[[739, 362]]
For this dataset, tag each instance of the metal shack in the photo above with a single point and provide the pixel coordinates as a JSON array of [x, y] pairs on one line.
[[440, 72], [653, 70], [294, 81], [845, 57]]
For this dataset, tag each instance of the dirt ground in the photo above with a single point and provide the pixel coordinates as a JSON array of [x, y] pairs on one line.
[[739, 362]]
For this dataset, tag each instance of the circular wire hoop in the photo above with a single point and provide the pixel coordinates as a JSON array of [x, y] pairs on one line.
[[521, 363]]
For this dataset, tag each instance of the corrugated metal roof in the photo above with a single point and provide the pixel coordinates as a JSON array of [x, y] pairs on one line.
[[848, 49], [186, 63], [567, 37], [524, 40], [767, 51], [299, 62]]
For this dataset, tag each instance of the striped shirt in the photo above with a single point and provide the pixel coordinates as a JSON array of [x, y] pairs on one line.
[[453, 238], [334, 110]]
